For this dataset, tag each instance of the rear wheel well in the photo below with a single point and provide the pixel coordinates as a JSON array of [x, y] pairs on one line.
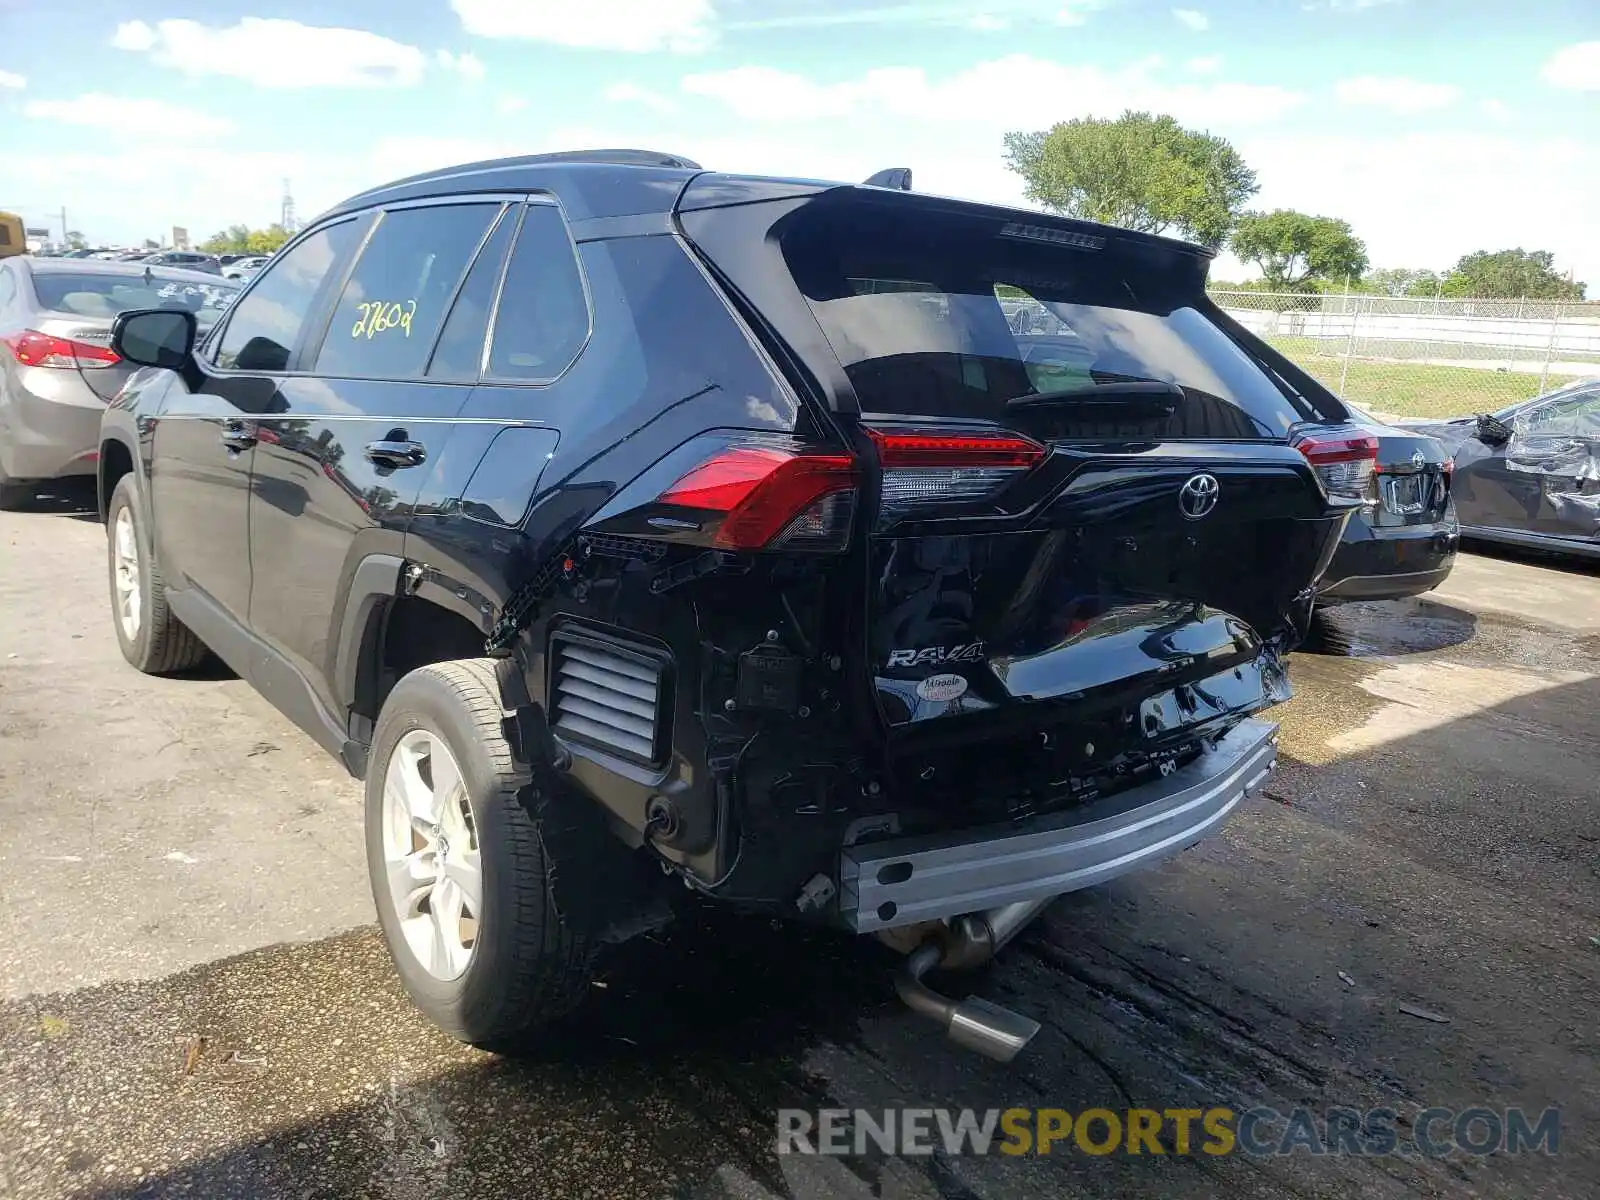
[[115, 462], [402, 635]]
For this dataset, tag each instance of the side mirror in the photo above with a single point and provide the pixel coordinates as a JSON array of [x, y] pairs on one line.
[[155, 337], [1492, 431]]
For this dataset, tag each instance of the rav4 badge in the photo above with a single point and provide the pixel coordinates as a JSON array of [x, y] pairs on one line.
[[937, 655], [941, 687]]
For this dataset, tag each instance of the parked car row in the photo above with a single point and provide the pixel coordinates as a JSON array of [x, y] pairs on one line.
[[233, 266], [630, 527], [57, 367]]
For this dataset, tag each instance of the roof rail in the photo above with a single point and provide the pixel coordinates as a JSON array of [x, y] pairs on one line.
[[898, 178], [620, 158]]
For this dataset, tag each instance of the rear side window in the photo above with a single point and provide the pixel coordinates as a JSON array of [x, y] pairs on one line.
[[542, 320], [395, 300], [265, 325], [459, 354], [941, 314]]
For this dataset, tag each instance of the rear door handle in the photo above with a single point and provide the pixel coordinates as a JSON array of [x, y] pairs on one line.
[[238, 435], [396, 454]]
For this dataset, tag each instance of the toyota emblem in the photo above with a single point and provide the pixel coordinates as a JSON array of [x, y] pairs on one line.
[[1198, 496]]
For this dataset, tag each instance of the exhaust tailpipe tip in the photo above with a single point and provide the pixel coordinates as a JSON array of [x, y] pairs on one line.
[[990, 1029]]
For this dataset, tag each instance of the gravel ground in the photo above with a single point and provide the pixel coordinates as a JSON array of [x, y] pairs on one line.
[[193, 1000]]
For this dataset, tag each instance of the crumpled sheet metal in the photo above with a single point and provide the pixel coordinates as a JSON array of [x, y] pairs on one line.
[[1557, 443], [1565, 447]]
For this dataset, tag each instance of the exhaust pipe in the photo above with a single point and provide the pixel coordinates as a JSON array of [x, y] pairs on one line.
[[972, 940]]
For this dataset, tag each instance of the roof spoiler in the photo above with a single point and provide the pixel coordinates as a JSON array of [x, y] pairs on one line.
[[898, 178]]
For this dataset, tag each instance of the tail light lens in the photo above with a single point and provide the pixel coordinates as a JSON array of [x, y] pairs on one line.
[[771, 497], [1344, 462], [927, 467], [34, 349]]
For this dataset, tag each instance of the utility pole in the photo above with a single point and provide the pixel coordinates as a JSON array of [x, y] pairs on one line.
[[63, 224]]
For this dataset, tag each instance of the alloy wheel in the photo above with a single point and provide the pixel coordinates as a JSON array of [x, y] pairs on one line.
[[431, 860], [125, 566]]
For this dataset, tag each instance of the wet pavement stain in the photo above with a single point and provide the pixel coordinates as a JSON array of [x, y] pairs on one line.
[[304, 1071]]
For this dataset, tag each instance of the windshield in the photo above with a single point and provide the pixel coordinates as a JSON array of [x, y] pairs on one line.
[[933, 314], [87, 295]]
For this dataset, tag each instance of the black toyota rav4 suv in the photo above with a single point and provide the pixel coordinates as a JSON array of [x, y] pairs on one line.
[[628, 526]]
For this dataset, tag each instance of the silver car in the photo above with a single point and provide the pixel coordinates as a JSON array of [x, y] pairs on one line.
[[56, 367], [244, 268]]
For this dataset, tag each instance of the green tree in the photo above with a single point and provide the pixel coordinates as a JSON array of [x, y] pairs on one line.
[[1510, 275], [235, 239], [265, 241], [1426, 285], [76, 240], [1138, 171], [1295, 250], [1402, 281]]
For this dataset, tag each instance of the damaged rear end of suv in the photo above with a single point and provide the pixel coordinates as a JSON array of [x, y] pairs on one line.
[[839, 553], [996, 621]]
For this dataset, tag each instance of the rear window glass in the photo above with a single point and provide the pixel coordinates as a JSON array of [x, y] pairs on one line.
[[85, 295], [939, 315]]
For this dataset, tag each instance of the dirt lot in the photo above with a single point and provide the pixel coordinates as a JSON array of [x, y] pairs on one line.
[[194, 1001]]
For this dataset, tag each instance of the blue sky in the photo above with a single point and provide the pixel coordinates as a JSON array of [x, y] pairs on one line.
[[1436, 127]]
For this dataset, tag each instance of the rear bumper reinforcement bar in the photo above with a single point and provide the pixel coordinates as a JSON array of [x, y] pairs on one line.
[[943, 875]]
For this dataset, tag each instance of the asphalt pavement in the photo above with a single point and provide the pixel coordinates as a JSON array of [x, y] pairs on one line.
[[193, 999]]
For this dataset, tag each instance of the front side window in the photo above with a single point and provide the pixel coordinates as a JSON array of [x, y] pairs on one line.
[[543, 317], [265, 325], [396, 297], [1574, 415]]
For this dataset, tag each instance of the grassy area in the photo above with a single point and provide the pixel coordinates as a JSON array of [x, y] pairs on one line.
[[1415, 390]]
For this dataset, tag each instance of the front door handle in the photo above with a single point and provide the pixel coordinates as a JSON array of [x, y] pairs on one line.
[[396, 454], [238, 435]]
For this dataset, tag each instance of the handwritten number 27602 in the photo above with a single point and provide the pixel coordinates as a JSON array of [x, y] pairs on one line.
[[380, 315]]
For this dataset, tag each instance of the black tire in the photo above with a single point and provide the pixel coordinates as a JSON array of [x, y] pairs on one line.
[[163, 644], [530, 963], [1327, 636], [14, 493]]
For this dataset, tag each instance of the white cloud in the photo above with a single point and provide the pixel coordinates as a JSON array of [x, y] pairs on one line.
[[130, 116], [511, 104], [273, 53], [1498, 111], [1076, 12], [1575, 67], [10, 79], [1193, 18], [469, 66], [134, 35], [1425, 199], [988, 23], [636, 26], [1205, 64], [986, 93], [1351, 5], [632, 93], [1398, 95]]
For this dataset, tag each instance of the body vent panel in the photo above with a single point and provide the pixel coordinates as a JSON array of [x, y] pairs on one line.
[[610, 693]]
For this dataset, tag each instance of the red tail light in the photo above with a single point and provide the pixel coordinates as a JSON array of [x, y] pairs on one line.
[[1344, 462], [932, 467], [34, 349], [772, 497]]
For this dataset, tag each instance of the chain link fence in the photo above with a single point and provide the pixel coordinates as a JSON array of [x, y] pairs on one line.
[[1426, 358]]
